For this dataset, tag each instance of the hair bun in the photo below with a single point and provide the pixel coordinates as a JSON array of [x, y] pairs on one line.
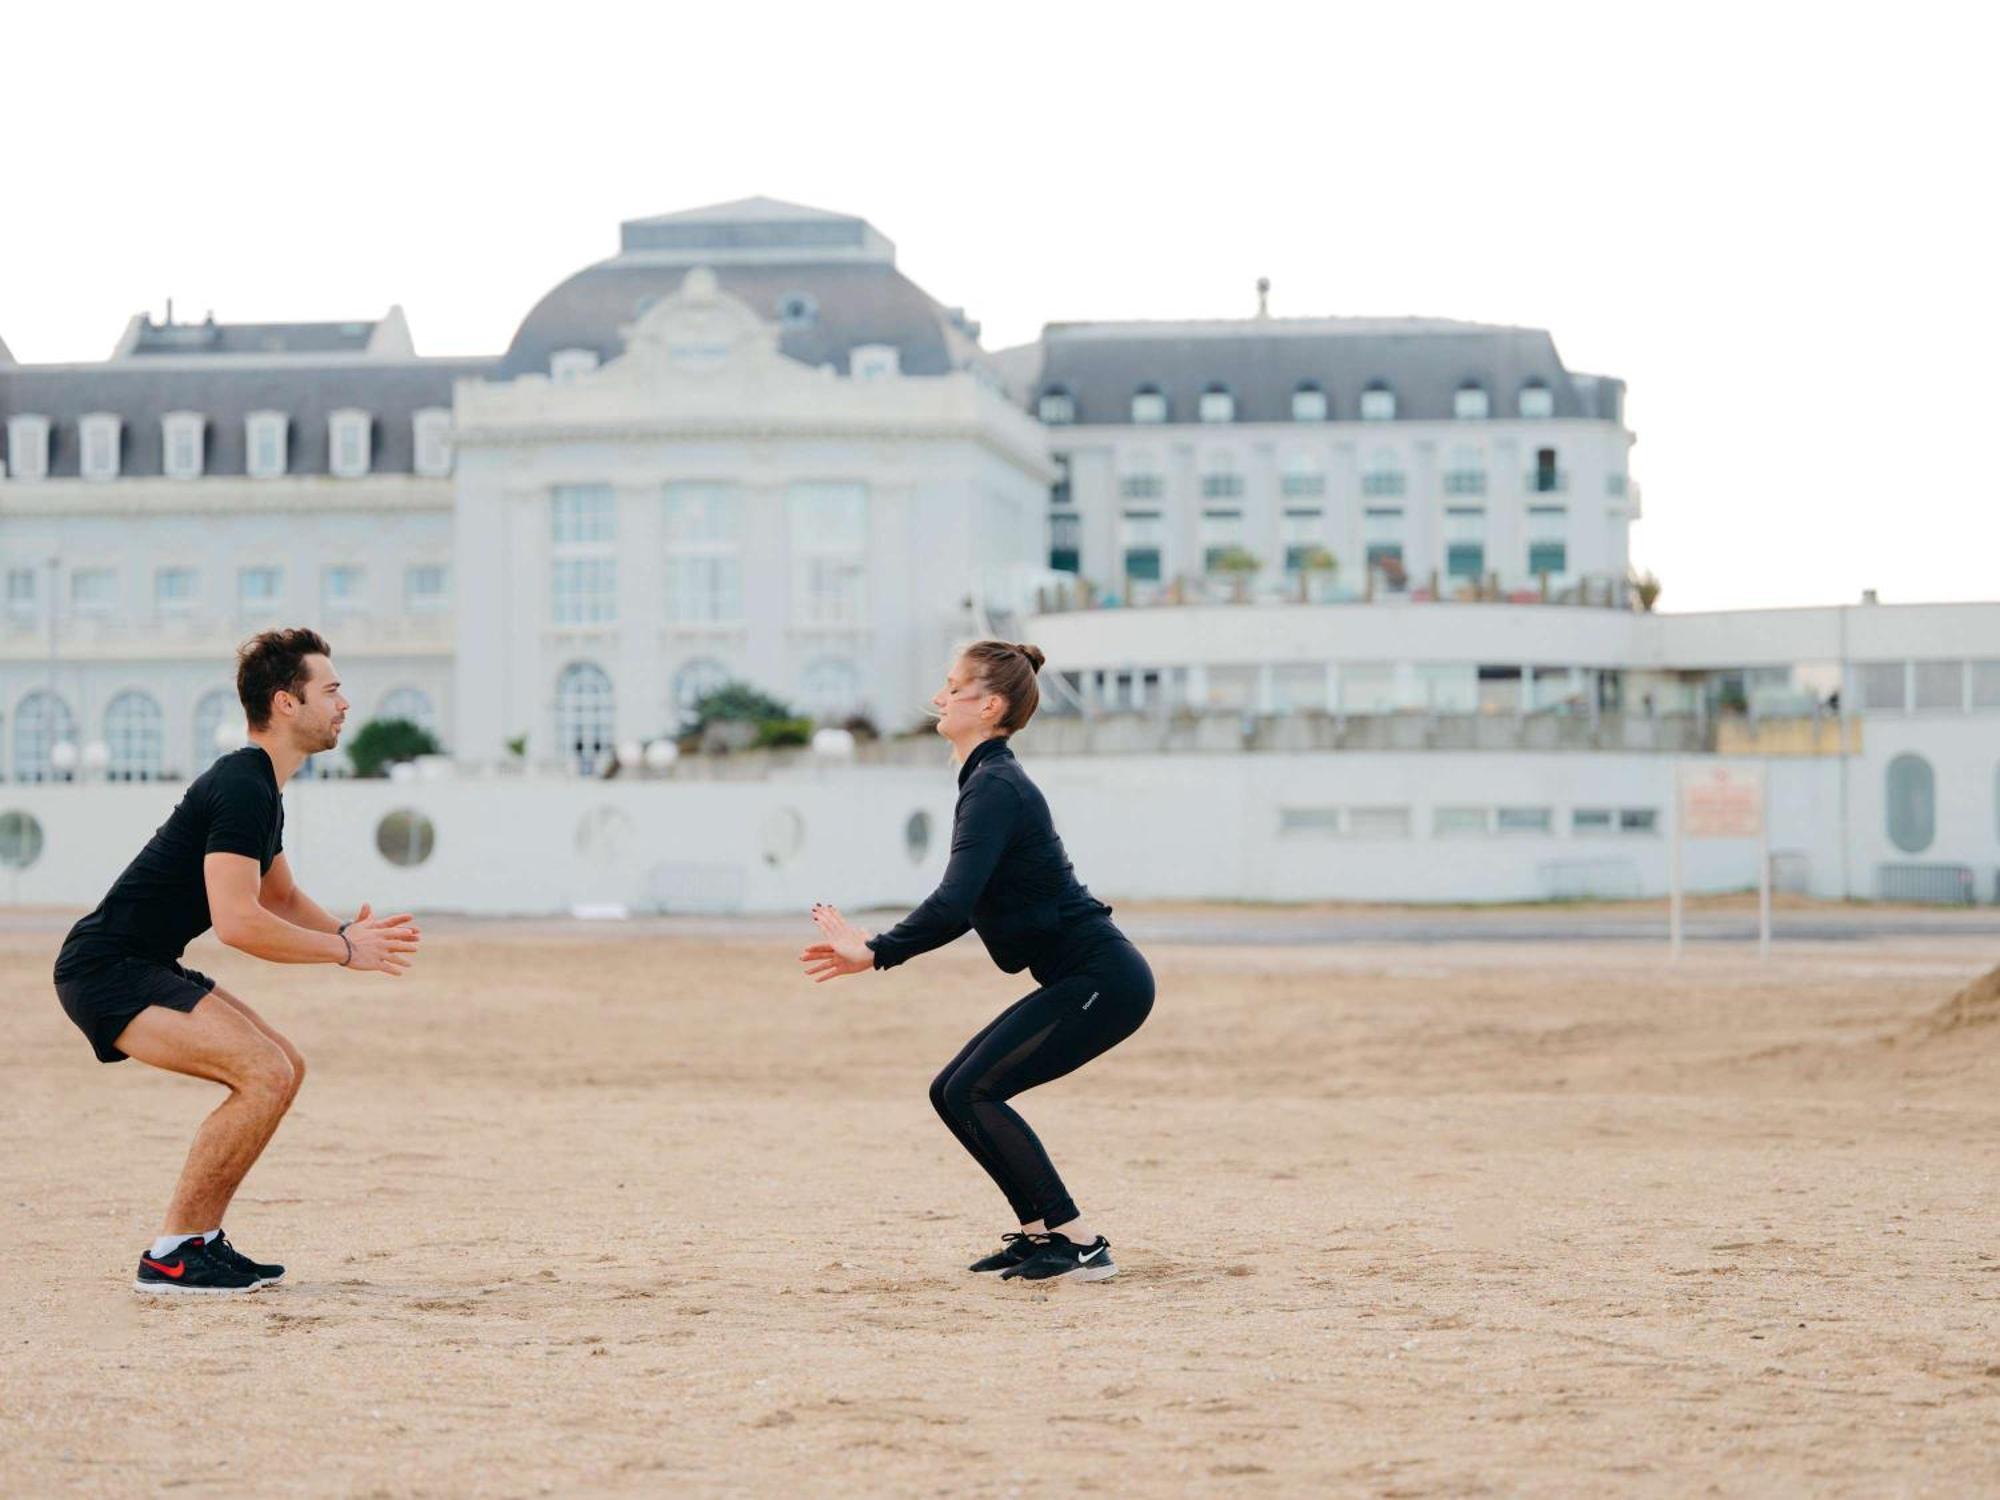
[[1034, 655]]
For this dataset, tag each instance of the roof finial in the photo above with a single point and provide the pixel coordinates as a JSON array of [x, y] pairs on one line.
[[1263, 296], [170, 312]]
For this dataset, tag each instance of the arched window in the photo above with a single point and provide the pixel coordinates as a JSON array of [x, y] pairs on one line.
[[694, 682], [411, 704], [586, 720], [1378, 403], [1911, 803], [1217, 404], [1469, 402], [135, 735], [1149, 405], [1303, 477], [831, 688], [210, 714], [41, 723], [1309, 403], [1537, 400], [1057, 407]]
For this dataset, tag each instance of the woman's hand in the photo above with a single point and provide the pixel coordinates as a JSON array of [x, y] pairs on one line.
[[845, 950]]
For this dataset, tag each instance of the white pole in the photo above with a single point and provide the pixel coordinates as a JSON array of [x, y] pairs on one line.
[[1674, 866], [1764, 861]]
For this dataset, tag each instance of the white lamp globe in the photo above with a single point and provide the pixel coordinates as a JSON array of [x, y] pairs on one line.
[[230, 736], [403, 771], [835, 744], [661, 754], [96, 756], [630, 754], [63, 756]]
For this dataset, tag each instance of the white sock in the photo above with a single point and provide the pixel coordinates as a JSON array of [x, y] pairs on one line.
[[167, 1244], [212, 1235]]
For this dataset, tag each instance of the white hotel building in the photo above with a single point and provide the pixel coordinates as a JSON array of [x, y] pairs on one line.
[[1339, 606]]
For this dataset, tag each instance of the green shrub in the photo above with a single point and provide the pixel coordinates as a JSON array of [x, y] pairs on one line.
[[380, 743]]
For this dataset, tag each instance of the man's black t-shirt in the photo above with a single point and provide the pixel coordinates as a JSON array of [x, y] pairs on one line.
[[160, 904]]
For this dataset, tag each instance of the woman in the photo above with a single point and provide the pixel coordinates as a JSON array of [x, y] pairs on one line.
[[1010, 881]]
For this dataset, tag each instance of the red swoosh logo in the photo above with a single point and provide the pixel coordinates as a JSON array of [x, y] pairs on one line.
[[175, 1271]]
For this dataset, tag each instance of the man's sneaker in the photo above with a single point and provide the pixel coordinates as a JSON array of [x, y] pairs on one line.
[[193, 1271], [1059, 1257], [1014, 1248], [223, 1250]]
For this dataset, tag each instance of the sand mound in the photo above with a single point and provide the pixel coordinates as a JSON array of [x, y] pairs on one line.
[[1978, 1004]]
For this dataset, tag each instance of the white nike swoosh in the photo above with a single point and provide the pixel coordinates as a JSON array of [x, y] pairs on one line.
[[1082, 1259]]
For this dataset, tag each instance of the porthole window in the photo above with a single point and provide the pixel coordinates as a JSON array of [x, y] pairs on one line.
[[917, 835], [21, 840], [797, 310], [1911, 803], [406, 837]]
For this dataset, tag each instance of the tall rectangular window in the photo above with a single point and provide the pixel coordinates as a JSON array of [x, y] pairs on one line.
[[583, 531], [173, 588], [1065, 542], [584, 590], [100, 433], [258, 588], [340, 586], [1302, 533], [1465, 560], [181, 436], [264, 444], [424, 588], [430, 433], [20, 590], [348, 443], [704, 554], [28, 447], [1140, 536], [1141, 487], [1221, 535], [93, 589], [828, 537]]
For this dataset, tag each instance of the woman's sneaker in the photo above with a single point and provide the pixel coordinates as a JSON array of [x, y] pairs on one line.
[[1014, 1248], [1057, 1257], [192, 1270], [223, 1250]]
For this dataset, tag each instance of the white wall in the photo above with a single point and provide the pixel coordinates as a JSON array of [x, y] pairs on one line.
[[1142, 826]]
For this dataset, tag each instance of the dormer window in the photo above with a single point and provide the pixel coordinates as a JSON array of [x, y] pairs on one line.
[[566, 365], [1149, 405], [28, 447], [347, 444], [1218, 405], [101, 432], [1378, 403], [1537, 401], [1469, 403], [431, 428], [181, 434], [1309, 403], [1057, 407], [264, 444], [875, 362]]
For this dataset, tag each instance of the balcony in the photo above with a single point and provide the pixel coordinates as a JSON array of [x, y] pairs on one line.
[[1546, 481]]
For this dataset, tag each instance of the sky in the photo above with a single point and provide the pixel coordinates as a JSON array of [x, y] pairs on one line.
[[1775, 223]]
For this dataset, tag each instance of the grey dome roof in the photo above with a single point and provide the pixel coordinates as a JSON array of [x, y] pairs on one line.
[[846, 303]]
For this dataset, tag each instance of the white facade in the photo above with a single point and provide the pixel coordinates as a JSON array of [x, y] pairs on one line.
[[1460, 505], [704, 508]]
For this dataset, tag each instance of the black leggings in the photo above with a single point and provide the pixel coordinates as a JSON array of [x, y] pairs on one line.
[[1092, 1007]]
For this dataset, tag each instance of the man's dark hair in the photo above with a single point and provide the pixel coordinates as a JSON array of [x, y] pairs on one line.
[[271, 663]]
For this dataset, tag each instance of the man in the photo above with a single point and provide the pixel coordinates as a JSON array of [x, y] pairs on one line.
[[219, 860]]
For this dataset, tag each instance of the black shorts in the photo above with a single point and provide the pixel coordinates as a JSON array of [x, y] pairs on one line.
[[102, 996]]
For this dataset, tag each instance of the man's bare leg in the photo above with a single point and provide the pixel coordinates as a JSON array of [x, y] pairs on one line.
[[217, 1041]]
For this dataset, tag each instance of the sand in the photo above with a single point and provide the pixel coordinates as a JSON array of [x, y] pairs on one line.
[[633, 1210]]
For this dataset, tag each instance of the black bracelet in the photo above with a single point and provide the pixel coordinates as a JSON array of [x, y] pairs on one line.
[[342, 928], [350, 948]]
